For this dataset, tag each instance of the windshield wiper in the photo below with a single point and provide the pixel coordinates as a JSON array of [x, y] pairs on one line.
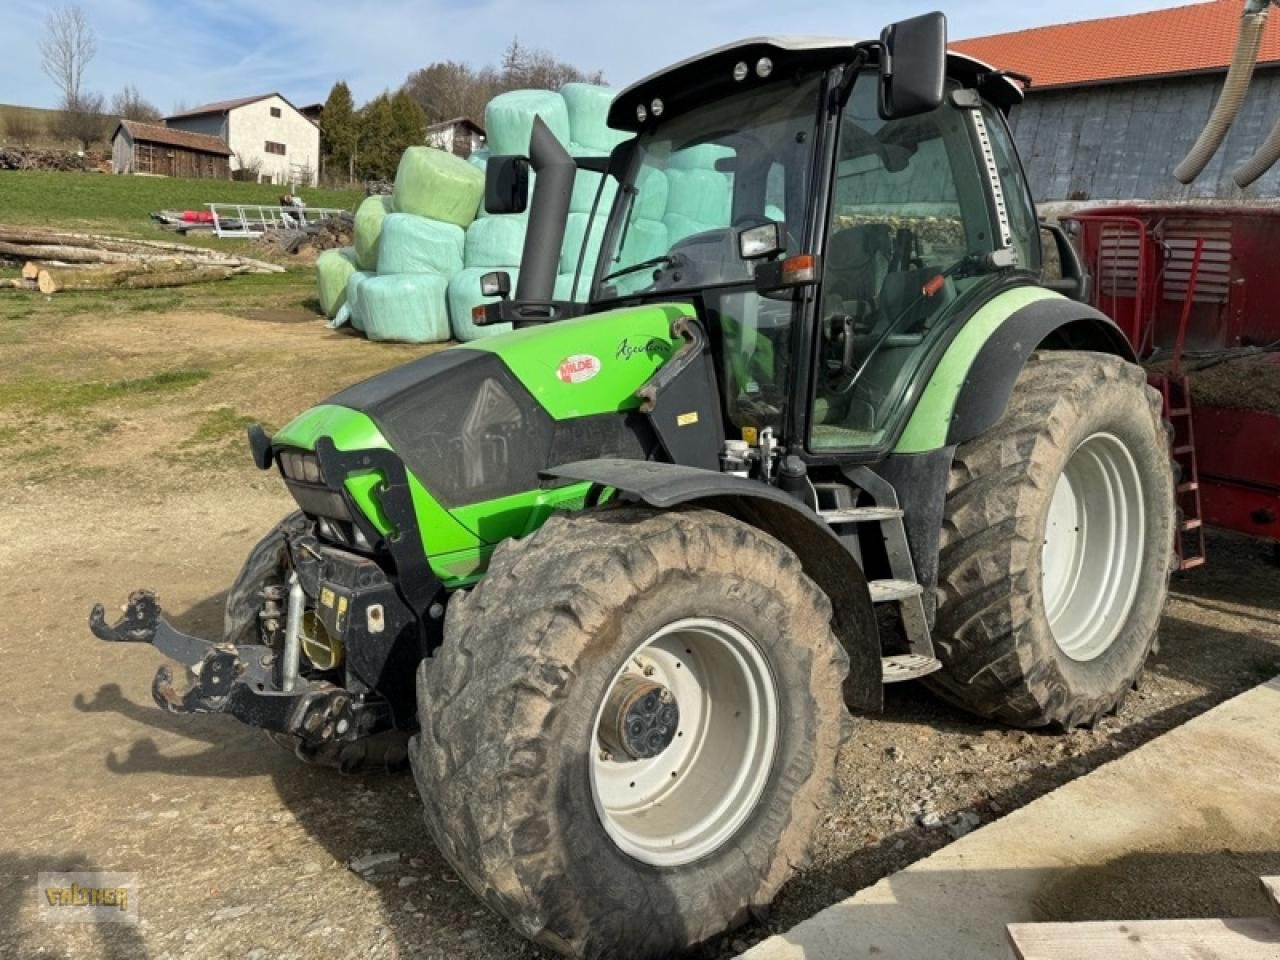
[[637, 267]]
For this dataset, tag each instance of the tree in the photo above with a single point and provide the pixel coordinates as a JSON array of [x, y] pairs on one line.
[[22, 127], [129, 104], [408, 124], [377, 159], [339, 132], [536, 69], [65, 51]]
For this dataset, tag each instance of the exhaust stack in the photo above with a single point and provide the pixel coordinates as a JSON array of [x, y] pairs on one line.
[[548, 215]]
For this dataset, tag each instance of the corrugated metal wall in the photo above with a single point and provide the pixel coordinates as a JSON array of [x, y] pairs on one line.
[[1121, 142]]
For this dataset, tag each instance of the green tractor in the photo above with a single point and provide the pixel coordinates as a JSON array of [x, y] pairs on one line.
[[615, 582]]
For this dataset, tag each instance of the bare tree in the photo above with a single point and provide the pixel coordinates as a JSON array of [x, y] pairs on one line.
[[65, 51], [68, 45], [130, 104]]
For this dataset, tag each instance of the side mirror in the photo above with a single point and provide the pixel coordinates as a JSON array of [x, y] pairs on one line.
[[757, 243], [1072, 281], [913, 66], [506, 185], [496, 284]]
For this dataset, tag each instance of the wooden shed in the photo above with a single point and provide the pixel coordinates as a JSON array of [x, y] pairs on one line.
[[151, 149]]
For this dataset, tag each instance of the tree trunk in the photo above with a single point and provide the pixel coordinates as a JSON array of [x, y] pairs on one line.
[[131, 276]]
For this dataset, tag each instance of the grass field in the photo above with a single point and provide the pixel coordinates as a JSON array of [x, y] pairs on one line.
[[34, 127], [122, 205]]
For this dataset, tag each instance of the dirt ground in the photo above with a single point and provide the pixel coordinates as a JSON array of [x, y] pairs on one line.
[[122, 425]]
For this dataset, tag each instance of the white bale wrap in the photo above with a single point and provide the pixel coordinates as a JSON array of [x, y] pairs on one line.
[[464, 296], [333, 269], [407, 307], [369, 216], [508, 120], [412, 244], [496, 241], [438, 185]]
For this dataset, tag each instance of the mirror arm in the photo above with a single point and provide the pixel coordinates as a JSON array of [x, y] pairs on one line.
[[861, 54]]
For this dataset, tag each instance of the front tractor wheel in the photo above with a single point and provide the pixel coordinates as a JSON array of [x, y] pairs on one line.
[[631, 729], [1057, 546]]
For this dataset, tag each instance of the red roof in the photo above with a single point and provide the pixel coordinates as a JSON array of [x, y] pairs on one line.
[[226, 106], [1180, 40], [151, 133]]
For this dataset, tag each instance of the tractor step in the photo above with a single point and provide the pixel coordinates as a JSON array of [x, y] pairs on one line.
[[888, 591], [908, 666], [860, 514]]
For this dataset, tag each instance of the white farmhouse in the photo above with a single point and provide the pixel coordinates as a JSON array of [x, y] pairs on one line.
[[269, 138]]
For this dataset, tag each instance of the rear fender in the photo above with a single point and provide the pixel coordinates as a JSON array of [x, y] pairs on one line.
[[822, 556]]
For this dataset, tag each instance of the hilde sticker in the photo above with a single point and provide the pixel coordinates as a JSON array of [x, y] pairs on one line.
[[579, 368]]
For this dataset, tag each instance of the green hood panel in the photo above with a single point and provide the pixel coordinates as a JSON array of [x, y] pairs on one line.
[[589, 365]]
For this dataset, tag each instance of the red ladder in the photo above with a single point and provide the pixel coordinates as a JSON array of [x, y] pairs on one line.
[[1189, 542]]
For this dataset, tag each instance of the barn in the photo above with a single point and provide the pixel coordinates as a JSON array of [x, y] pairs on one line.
[[460, 136], [1115, 104], [147, 148], [270, 139]]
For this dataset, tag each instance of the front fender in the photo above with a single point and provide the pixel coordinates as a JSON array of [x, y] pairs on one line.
[[822, 555]]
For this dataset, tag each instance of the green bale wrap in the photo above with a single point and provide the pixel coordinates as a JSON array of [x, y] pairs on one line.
[[588, 108], [679, 226], [413, 244], [701, 157], [439, 186], [369, 217], [586, 183], [575, 234], [354, 302], [654, 193], [701, 195], [565, 289], [333, 269], [407, 307], [464, 296], [646, 239], [479, 159], [496, 241], [508, 120]]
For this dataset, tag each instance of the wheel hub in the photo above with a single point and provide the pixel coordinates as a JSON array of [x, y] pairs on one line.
[[640, 719]]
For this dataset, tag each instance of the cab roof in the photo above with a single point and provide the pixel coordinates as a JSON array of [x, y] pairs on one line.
[[701, 77]]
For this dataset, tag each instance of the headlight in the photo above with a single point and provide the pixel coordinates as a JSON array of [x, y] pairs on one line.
[[301, 466]]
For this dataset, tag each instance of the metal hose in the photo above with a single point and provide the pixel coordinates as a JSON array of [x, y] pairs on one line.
[[1262, 161], [1234, 92]]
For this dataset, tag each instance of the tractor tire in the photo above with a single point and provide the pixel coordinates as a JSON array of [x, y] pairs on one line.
[[532, 806], [266, 564], [1057, 547]]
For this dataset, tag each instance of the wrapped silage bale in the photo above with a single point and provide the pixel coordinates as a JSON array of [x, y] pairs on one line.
[[368, 229], [588, 108], [355, 305], [412, 244], [581, 229], [565, 289], [496, 241], [407, 307], [703, 196], [645, 240], [586, 184], [654, 193], [700, 157], [465, 296], [438, 185], [333, 269], [479, 159], [508, 120]]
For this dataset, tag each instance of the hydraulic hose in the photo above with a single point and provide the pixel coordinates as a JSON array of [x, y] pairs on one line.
[[1239, 75], [1262, 161]]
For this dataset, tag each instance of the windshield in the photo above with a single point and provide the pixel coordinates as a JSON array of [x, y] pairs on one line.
[[738, 161]]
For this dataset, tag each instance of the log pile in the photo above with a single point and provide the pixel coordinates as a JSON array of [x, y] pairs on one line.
[[54, 261], [27, 158]]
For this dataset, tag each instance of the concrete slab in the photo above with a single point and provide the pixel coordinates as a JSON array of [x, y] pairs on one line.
[[1181, 827]]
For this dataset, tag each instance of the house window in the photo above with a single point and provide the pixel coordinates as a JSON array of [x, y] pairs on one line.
[[275, 111], [276, 148]]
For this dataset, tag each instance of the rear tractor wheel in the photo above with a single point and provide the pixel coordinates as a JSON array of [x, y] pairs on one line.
[[1057, 546], [631, 729]]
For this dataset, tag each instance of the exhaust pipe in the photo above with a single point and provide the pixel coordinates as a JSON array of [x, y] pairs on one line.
[[1234, 91], [548, 216]]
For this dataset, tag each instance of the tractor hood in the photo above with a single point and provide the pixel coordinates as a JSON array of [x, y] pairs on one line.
[[481, 421]]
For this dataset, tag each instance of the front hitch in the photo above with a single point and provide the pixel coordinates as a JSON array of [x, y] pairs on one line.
[[238, 680]]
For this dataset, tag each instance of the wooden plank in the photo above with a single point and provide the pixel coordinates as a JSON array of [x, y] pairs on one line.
[[1252, 939], [1272, 887]]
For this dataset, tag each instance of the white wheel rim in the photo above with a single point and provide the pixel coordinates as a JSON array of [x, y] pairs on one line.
[[693, 797], [1093, 546]]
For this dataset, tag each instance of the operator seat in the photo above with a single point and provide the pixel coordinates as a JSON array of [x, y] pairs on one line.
[[857, 263]]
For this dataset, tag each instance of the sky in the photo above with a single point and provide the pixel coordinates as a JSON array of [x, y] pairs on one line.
[[195, 51]]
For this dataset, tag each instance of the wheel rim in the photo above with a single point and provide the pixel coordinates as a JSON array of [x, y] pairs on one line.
[[1093, 547], [691, 798]]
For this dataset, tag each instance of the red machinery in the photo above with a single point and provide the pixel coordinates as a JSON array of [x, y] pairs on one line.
[[1196, 290]]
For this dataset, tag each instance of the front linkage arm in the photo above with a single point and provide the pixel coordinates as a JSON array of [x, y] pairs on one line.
[[237, 680]]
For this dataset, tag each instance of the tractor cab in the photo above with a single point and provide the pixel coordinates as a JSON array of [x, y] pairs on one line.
[[831, 208]]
